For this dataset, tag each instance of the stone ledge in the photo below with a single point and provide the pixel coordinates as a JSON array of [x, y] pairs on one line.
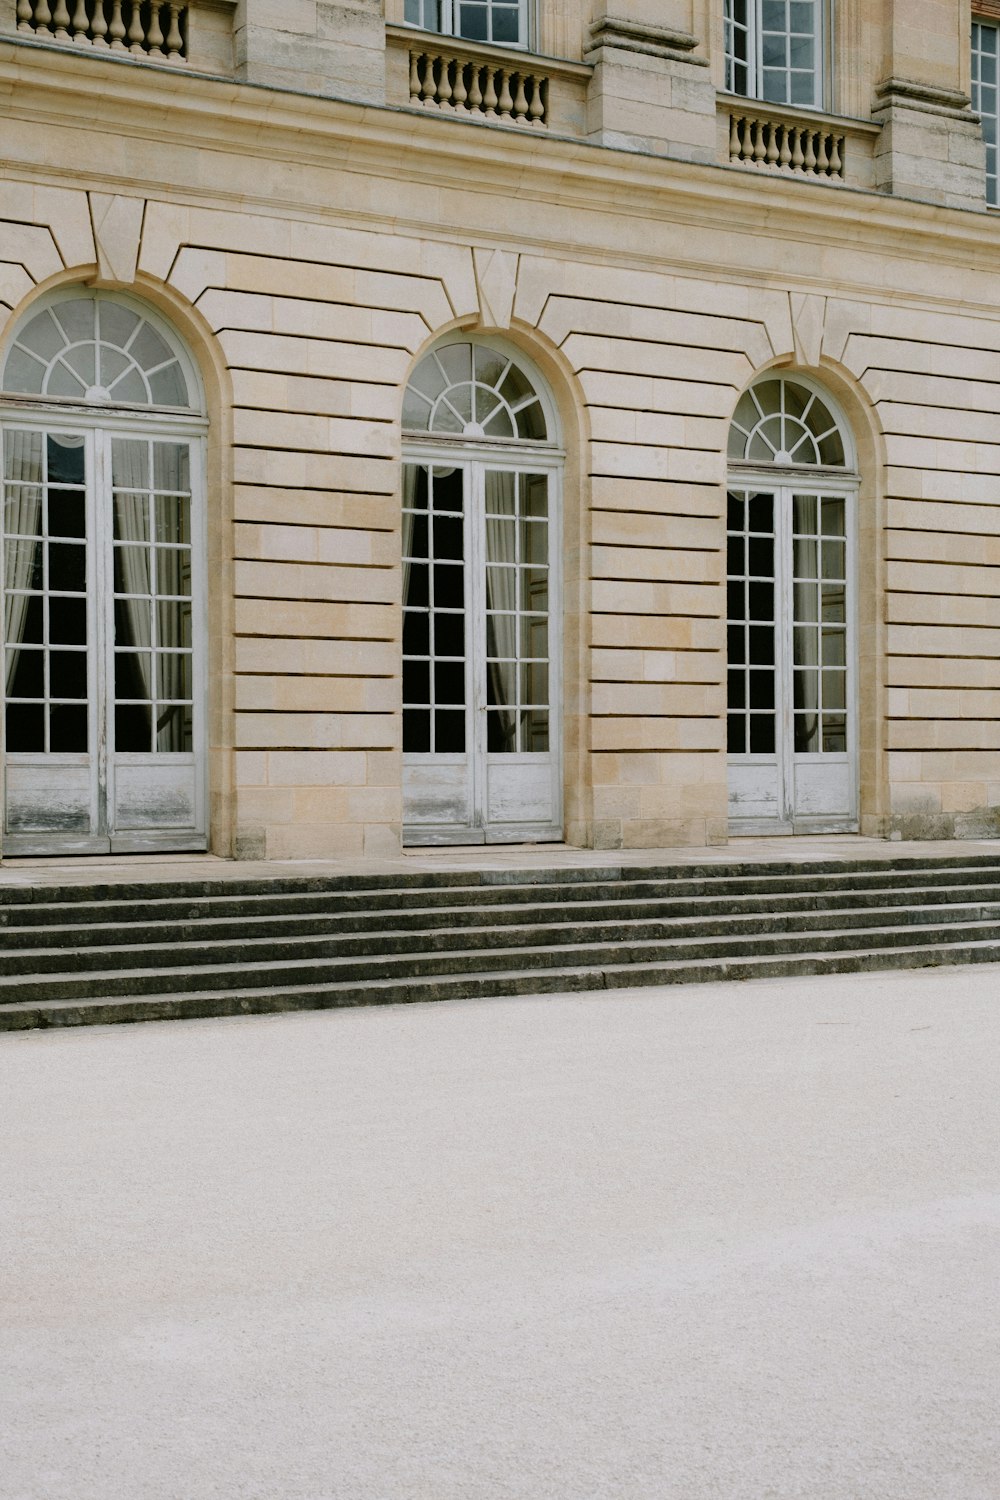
[[624, 35]]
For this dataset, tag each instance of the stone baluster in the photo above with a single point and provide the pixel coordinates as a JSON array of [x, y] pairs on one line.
[[490, 96], [475, 92], [758, 141], [155, 35], [136, 35], [443, 83], [520, 99], [798, 159], [81, 22], [116, 30], [99, 26], [43, 15], [537, 107], [24, 16], [735, 146], [60, 21], [416, 88], [822, 159], [785, 154], [175, 37], [836, 156], [809, 162], [772, 144], [459, 93], [505, 103]]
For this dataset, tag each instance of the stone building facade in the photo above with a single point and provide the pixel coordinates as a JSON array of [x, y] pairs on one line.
[[495, 421]]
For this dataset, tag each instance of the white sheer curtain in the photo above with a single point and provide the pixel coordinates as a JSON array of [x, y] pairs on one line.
[[501, 594], [22, 516], [130, 465]]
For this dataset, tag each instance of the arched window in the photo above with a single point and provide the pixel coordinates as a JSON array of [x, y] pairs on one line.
[[790, 613], [103, 580], [480, 588]]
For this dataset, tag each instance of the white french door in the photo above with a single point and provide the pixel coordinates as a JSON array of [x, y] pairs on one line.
[[792, 720], [481, 699], [104, 636]]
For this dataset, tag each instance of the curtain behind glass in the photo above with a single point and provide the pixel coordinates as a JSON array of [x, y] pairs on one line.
[[22, 515], [501, 595]]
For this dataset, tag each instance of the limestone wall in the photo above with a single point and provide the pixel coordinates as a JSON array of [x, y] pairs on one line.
[[308, 275]]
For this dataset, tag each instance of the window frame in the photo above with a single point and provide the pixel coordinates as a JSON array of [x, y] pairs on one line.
[[449, 19], [753, 64], [982, 23]]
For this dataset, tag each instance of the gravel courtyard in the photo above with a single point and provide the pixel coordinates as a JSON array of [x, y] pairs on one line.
[[732, 1242]]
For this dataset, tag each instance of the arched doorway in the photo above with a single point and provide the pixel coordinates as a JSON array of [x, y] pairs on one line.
[[481, 611], [102, 430], [792, 715]]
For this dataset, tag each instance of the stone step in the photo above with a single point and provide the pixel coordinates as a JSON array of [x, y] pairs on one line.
[[265, 899], [195, 945], [281, 924], [420, 963], [103, 1010]]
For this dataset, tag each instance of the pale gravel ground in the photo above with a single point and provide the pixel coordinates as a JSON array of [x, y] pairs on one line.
[[732, 1242]]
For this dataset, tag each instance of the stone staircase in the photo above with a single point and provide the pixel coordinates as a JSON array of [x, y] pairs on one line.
[[88, 954]]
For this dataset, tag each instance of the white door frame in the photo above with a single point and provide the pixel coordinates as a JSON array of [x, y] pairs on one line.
[[99, 427], [475, 458], [783, 484]]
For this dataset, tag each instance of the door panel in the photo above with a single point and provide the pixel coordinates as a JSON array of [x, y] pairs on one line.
[[103, 664], [478, 681], [791, 677]]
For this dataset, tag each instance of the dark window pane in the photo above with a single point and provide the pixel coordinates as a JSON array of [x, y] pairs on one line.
[[737, 689], [735, 556], [761, 512], [472, 22], [25, 728], [133, 677], [416, 730], [448, 537], [735, 512], [449, 635], [449, 586], [761, 689], [535, 730], [736, 601], [449, 732], [68, 674], [65, 460], [762, 734], [761, 645], [28, 680], [760, 560], [416, 682], [416, 634], [68, 622], [448, 489], [737, 734], [68, 567], [67, 513], [761, 597], [735, 640], [417, 542], [806, 733], [417, 586], [501, 732], [133, 728], [68, 728], [449, 682]]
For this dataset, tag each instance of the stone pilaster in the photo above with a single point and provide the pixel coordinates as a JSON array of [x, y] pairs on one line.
[[650, 90], [931, 147]]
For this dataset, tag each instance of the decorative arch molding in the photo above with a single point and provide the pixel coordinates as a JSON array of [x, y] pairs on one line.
[[479, 387], [101, 349], [790, 420]]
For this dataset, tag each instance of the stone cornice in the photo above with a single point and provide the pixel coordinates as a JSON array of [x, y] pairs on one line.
[[925, 98], [583, 191], [624, 35]]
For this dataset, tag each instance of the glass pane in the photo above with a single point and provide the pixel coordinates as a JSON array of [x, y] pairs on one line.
[[762, 739], [173, 572], [416, 731], [23, 564], [67, 567], [535, 730], [173, 675], [130, 464], [172, 468], [133, 674], [24, 727], [68, 622], [68, 729], [449, 732], [22, 456], [65, 457], [67, 674], [173, 519], [174, 728], [416, 682], [131, 517], [133, 728]]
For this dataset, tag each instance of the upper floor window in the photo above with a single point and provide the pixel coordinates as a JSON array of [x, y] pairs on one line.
[[774, 50], [986, 96], [504, 22]]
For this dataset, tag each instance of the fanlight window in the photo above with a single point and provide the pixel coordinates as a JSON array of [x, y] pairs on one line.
[[779, 421], [96, 349], [475, 391]]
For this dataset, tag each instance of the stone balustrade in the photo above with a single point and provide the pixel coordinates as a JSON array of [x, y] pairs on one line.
[[444, 80], [801, 147], [135, 27]]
